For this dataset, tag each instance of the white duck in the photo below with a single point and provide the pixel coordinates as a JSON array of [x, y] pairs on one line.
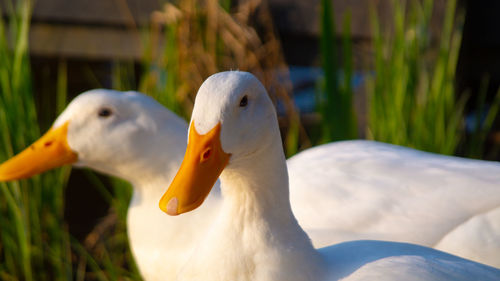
[[131, 136], [234, 133]]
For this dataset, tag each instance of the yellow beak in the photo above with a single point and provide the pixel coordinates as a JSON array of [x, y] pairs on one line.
[[203, 163], [50, 151]]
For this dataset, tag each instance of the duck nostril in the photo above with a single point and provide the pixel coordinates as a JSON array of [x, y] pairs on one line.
[[47, 144], [206, 154]]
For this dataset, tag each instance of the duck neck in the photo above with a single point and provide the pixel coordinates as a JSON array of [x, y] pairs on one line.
[[257, 187], [150, 157]]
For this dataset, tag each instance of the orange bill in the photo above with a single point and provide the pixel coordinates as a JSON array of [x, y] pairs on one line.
[[203, 163], [50, 151]]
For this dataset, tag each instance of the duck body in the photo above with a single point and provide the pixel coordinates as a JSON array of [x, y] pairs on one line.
[[387, 192], [255, 235]]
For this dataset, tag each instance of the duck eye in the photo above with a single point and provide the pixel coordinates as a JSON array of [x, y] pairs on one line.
[[104, 112], [244, 101]]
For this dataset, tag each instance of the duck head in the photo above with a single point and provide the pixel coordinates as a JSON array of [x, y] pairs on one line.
[[233, 118], [106, 130]]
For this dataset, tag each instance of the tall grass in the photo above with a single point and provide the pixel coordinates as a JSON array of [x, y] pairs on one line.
[[413, 100], [106, 251], [335, 95], [34, 244]]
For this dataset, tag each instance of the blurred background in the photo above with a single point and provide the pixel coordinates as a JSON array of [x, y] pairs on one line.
[[418, 73]]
